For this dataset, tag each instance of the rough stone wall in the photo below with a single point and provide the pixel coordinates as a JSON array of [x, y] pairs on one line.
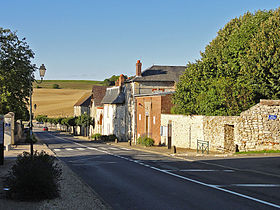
[[256, 130], [214, 131], [185, 130], [129, 111], [119, 122]]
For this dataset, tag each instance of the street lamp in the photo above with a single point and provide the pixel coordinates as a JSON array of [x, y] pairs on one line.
[[42, 71]]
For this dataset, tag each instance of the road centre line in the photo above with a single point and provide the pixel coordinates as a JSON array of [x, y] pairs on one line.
[[69, 149], [182, 177], [81, 149]]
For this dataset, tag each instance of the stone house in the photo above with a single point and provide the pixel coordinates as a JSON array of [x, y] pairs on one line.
[[96, 108], [82, 105], [149, 108], [114, 111], [257, 128], [152, 80]]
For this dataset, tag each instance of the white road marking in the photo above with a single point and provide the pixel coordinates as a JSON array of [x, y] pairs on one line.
[[57, 150], [185, 178], [81, 149], [91, 148], [200, 170], [102, 148], [256, 185], [125, 148], [69, 149]]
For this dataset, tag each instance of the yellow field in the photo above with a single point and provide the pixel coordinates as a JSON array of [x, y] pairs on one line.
[[56, 102]]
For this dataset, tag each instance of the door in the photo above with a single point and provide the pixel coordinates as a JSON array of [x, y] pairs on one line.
[[169, 135], [229, 138]]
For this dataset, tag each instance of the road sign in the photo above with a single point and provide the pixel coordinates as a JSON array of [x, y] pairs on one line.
[[272, 117]]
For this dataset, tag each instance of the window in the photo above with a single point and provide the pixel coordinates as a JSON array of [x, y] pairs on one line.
[[154, 120], [139, 116]]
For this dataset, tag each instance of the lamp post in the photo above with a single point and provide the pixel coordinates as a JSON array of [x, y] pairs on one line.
[[42, 71]]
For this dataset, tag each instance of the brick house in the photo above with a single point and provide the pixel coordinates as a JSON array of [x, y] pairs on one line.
[[149, 108], [152, 80], [82, 105], [114, 110], [96, 108]]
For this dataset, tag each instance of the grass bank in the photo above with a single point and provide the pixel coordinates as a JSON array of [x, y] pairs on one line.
[[258, 152]]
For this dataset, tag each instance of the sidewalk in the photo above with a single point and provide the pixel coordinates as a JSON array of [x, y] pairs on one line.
[[75, 194]]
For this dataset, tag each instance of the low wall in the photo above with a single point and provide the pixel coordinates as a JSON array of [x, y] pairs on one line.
[[185, 130]]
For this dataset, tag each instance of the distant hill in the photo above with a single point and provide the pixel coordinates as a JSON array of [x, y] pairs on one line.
[[68, 84]]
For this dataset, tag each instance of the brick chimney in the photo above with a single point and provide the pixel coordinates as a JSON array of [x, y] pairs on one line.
[[138, 68], [121, 80]]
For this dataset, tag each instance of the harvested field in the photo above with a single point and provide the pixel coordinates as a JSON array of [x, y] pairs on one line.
[[56, 102]]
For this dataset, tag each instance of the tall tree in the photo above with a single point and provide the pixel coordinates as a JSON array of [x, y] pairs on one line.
[[16, 74], [239, 67]]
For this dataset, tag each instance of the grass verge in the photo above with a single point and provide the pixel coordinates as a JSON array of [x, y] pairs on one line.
[[258, 152]]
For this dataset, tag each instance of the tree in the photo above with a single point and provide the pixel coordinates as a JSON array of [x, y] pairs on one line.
[[238, 68], [16, 74]]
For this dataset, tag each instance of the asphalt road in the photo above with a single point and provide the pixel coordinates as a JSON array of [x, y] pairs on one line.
[[129, 179]]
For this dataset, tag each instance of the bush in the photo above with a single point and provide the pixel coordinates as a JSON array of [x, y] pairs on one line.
[[33, 177], [55, 86], [96, 136], [104, 137], [112, 137], [146, 141], [149, 142]]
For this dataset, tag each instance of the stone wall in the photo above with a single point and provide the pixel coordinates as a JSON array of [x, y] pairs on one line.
[[220, 132], [259, 127]]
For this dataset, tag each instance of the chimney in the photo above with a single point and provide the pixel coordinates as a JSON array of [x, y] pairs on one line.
[[138, 68], [121, 80]]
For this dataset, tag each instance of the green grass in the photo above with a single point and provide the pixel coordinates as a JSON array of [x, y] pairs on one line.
[[69, 84], [259, 152]]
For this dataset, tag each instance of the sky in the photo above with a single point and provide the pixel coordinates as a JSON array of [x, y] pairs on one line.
[[95, 39]]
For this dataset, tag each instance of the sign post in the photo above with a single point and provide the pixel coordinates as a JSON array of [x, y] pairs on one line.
[[1, 139]]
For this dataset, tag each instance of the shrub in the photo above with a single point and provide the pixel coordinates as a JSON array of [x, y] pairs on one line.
[[96, 136], [33, 177], [112, 137], [146, 141], [55, 86], [104, 137], [149, 142]]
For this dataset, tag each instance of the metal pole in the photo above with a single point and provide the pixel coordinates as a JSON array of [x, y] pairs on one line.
[[30, 121]]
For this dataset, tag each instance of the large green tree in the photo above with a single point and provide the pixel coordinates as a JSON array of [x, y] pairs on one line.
[[16, 74], [239, 67]]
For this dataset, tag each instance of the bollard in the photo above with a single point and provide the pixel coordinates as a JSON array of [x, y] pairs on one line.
[[116, 140], [173, 149], [129, 142]]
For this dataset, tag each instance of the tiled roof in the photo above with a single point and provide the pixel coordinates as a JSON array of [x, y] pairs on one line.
[[161, 73], [84, 100], [98, 93], [114, 95]]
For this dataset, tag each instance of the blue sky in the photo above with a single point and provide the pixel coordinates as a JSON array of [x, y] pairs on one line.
[[92, 40]]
